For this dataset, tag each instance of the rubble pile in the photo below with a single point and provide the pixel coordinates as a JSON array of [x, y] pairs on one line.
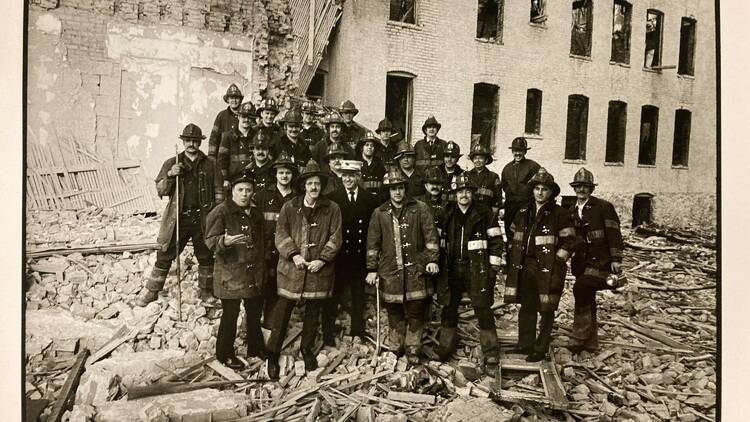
[[657, 356]]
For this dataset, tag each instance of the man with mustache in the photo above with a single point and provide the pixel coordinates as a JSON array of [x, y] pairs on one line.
[[334, 128], [402, 251], [267, 110], [405, 156], [235, 149], [291, 143], [389, 140], [353, 131], [261, 166], [450, 169], [308, 237], [200, 190], [311, 133]]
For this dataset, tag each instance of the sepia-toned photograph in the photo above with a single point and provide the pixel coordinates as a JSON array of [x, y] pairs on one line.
[[371, 210]]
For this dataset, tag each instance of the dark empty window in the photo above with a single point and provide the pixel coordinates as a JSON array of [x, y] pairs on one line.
[[403, 11], [538, 11], [654, 23], [575, 134], [649, 129], [617, 118], [687, 47], [580, 35], [316, 89], [490, 20], [642, 209], [681, 138], [533, 111], [398, 102], [484, 113], [621, 15]]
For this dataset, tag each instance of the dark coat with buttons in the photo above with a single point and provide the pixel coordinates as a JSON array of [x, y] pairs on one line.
[[483, 241], [235, 153], [270, 201], [600, 239], [316, 238], [225, 121], [210, 193], [549, 231], [298, 151], [448, 180], [429, 155], [239, 270], [399, 247], [372, 175], [488, 187], [355, 219]]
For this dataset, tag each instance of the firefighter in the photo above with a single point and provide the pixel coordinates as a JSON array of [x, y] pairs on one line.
[[487, 181], [261, 164], [308, 237], [473, 246], [373, 168], [430, 149], [291, 143], [543, 238], [235, 149], [450, 169], [335, 156], [389, 140], [405, 157], [433, 196], [267, 110], [227, 119], [353, 131], [513, 181], [200, 190], [311, 133], [334, 135], [235, 234], [269, 201], [598, 256], [402, 251], [356, 205]]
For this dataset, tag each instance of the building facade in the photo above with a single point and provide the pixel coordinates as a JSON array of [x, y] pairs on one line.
[[626, 89]]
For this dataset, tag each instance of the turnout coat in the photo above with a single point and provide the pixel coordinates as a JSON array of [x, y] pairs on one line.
[[429, 155], [316, 238], [298, 151], [399, 247], [600, 239], [239, 270], [488, 187], [270, 201], [484, 247], [235, 153], [210, 193], [225, 121], [552, 230]]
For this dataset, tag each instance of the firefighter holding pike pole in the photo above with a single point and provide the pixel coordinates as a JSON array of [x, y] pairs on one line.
[[194, 188]]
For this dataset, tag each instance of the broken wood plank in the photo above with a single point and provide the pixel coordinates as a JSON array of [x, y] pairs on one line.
[[68, 391], [653, 335], [331, 365], [162, 388], [553, 385], [313, 415], [189, 371], [224, 371], [121, 336], [411, 397], [87, 250], [670, 288], [291, 337]]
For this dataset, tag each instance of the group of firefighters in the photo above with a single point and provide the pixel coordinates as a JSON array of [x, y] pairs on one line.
[[314, 212]]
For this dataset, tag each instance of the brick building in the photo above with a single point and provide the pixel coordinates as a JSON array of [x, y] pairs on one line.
[[627, 89]]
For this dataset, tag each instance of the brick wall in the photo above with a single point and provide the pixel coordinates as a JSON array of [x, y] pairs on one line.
[[124, 76], [447, 59]]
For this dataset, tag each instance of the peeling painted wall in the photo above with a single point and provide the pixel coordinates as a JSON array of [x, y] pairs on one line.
[[124, 77]]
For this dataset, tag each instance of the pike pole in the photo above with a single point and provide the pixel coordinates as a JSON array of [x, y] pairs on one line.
[[177, 237]]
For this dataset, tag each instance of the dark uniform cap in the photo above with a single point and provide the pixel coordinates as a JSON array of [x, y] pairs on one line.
[[432, 175], [394, 177], [233, 91], [583, 177], [336, 149], [404, 148], [462, 181], [385, 124], [348, 107], [244, 177], [541, 177], [478, 149], [192, 131], [292, 116], [268, 104], [452, 149], [519, 144], [431, 121], [247, 109], [285, 160]]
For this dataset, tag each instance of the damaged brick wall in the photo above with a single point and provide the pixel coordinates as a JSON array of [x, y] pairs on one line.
[[123, 77]]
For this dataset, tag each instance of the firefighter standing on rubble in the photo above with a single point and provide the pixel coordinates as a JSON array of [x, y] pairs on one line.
[[402, 251], [450, 169], [200, 190], [235, 149], [513, 181], [308, 237], [227, 119], [543, 240], [487, 181], [599, 254], [473, 247], [235, 233]]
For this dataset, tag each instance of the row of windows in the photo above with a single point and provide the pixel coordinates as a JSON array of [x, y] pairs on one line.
[[490, 27], [577, 128]]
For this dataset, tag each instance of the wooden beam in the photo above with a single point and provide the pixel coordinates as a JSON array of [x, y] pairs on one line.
[[653, 335], [86, 250], [68, 392]]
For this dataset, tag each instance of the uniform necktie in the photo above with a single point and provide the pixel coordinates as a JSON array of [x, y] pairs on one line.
[[351, 196]]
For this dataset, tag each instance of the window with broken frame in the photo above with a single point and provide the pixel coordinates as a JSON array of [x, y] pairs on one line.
[[648, 136], [581, 28], [404, 11], [490, 20], [577, 127], [681, 145], [538, 11], [533, 124], [652, 55], [621, 29], [686, 64], [484, 113]]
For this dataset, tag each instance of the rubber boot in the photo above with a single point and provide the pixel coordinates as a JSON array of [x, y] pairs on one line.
[[395, 339], [592, 342], [206, 283], [272, 365], [490, 350], [582, 328], [154, 284], [311, 363], [147, 296], [448, 341], [413, 340]]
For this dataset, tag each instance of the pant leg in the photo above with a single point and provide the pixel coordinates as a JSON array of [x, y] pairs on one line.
[[449, 313], [310, 324], [270, 295], [253, 309], [357, 312], [282, 311], [545, 332], [329, 307], [205, 258], [396, 326], [529, 297], [227, 329], [155, 282], [416, 316]]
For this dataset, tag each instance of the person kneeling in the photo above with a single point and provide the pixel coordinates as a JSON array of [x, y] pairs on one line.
[[235, 235]]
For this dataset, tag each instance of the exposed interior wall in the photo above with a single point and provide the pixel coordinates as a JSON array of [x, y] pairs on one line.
[[123, 77]]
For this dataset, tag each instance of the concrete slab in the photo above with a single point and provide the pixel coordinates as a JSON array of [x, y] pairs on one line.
[[476, 410], [201, 405], [46, 325]]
